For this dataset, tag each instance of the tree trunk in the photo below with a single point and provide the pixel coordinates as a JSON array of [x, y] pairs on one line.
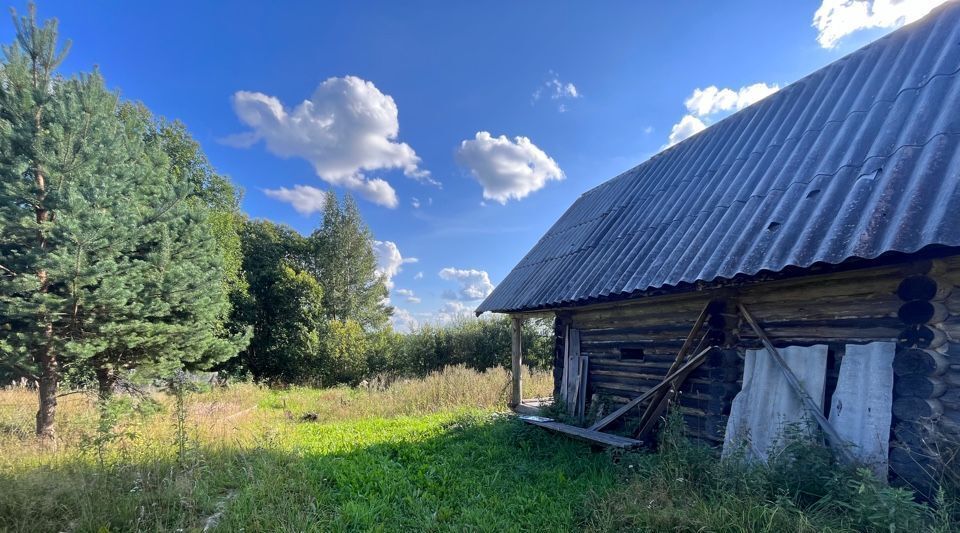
[[47, 391], [105, 382]]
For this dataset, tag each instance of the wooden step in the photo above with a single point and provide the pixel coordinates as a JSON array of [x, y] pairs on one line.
[[596, 437]]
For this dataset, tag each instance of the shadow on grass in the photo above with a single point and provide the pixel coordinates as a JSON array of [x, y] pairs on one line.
[[440, 472]]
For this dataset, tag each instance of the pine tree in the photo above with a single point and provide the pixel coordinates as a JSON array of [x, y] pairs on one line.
[[343, 260], [106, 263]]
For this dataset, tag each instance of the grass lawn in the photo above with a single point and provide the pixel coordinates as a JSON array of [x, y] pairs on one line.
[[437, 472], [423, 455], [435, 454]]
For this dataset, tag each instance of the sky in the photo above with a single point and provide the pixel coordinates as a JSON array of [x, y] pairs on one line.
[[463, 129]]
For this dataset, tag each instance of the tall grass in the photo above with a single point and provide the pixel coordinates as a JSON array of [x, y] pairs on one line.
[[430, 454], [253, 455]]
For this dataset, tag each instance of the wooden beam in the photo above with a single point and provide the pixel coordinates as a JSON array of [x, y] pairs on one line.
[[838, 443], [682, 371], [516, 362], [646, 424], [595, 437], [659, 401]]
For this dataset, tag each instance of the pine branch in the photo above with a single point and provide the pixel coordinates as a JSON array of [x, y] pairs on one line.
[[22, 370], [8, 271]]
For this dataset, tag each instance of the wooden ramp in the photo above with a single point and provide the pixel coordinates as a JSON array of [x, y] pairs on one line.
[[595, 437], [532, 406]]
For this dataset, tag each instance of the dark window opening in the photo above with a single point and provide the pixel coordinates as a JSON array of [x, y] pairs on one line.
[[834, 356], [632, 353]]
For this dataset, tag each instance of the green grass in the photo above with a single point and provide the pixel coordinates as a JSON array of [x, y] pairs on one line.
[[435, 454], [435, 472]]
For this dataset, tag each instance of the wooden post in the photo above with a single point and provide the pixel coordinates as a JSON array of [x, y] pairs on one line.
[[516, 395]]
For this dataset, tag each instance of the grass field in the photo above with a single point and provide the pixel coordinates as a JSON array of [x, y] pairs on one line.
[[427, 455]]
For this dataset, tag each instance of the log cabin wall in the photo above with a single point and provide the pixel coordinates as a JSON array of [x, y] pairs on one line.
[[631, 344]]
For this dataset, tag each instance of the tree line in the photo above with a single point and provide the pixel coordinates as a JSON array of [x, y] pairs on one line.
[[125, 255]]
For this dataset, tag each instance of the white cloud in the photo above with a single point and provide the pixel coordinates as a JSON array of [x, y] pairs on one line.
[[836, 19], [507, 169], [415, 203], [689, 125], [389, 260], [418, 276], [346, 128], [705, 104], [304, 198], [709, 101], [556, 89], [404, 320], [474, 284], [408, 295], [451, 311]]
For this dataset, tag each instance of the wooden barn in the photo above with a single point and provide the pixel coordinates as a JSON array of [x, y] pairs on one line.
[[797, 261]]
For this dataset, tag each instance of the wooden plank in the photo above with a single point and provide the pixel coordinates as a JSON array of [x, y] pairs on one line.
[[566, 361], [659, 400], [516, 362], [596, 437], [582, 389], [839, 444], [655, 410], [683, 370], [573, 377]]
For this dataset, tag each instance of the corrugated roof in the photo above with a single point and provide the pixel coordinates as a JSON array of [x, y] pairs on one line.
[[855, 160]]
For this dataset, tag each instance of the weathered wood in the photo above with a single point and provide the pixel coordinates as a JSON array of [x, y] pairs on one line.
[[834, 332], [950, 398], [952, 301], [919, 361], [659, 401], [722, 320], [919, 386], [922, 337], [916, 312], [582, 388], [917, 287], [950, 328], [566, 361], [656, 409], [838, 443], [911, 408], [573, 376], [918, 470], [606, 439], [952, 377], [516, 362], [687, 367], [950, 422]]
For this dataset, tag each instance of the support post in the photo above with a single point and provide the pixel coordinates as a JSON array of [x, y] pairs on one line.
[[516, 394]]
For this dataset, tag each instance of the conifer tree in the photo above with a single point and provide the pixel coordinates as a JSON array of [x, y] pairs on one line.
[[343, 260], [104, 263]]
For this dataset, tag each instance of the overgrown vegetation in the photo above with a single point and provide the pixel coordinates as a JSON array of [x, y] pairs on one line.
[[684, 487], [418, 454]]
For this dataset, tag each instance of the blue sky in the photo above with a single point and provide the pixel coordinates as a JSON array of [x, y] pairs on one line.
[[589, 92]]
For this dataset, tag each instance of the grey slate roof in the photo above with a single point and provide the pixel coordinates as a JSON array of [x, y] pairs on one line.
[[855, 160]]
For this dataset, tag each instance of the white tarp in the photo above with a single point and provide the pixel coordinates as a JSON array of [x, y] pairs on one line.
[[860, 409], [766, 405]]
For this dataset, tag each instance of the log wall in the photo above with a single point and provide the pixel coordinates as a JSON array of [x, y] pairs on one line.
[[631, 344]]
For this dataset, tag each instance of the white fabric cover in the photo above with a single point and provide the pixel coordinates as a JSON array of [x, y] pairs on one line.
[[767, 404], [860, 410]]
